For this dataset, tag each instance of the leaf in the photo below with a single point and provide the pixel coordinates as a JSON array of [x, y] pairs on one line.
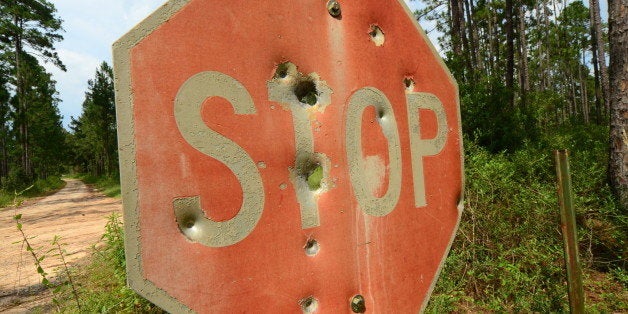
[[40, 270], [17, 217], [45, 282], [315, 178], [19, 226]]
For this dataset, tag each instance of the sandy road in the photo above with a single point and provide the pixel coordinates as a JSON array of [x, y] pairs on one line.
[[75, 213]]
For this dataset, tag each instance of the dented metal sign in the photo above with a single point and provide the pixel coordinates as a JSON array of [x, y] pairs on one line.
[[307, 159]]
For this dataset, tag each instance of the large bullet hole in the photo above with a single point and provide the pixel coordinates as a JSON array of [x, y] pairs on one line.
[[306, 92]]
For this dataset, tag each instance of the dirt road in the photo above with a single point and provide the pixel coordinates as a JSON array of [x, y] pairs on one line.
[[76, 213]]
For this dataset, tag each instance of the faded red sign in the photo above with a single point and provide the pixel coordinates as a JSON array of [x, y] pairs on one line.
[[286, 155]]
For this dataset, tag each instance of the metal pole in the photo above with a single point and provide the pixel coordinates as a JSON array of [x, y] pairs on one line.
[[568, 228]]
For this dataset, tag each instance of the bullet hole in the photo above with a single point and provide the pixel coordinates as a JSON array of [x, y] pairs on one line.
[[333, 7], [311, 247], [282, 70], [358, 305], [309, 304], [306, 92], [408, 82], [377, 35]]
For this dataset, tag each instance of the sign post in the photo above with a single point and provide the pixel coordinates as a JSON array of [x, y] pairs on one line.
[[279, 156]]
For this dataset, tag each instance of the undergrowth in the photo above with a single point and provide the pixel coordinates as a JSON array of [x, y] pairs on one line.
[[108, 185], [41, 187], [508, 253], [101, 284]]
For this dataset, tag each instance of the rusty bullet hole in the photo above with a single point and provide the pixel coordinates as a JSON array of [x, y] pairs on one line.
[[311, 247], [358, 305], [409, 83], [309, 304], [306, 92], [333, 7]]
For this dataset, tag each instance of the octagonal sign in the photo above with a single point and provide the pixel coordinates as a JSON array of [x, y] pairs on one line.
[[286, 156]]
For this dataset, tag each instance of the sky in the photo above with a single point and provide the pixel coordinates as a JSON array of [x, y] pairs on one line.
[[91, 27]]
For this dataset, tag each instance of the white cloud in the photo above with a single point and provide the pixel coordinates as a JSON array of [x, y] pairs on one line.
[[73, 83], [91, 27]]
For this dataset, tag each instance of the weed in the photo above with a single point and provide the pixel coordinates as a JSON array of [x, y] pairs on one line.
[[102, 286]]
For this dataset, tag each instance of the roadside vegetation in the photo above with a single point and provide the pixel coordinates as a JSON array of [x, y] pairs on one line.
[[100, 283], [41, 187], [508, 253], [108, 185]]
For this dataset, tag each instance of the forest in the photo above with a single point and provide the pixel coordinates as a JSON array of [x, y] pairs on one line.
[[534, 76]]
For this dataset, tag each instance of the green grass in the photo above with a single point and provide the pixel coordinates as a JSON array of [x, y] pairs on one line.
[[108, 185], [508, 253], [101, 284], [41, 187]]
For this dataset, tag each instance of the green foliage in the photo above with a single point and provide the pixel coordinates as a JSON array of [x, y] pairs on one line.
[[102, 287], [508, 254], [108, 185], [41, 187], [32, 139], [94, 137]]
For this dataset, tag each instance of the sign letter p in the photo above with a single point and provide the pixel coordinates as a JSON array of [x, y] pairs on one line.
[[424, 147]]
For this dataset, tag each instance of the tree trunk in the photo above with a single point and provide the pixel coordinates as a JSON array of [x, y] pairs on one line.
[[618, 158], [584, 101], [21, 101], [523, 58], [4, 163], [596, 72], [456, 41], [510, 53], [594, 9], [473, 35]]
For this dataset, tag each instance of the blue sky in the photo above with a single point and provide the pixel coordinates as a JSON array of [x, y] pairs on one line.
[[91, 26]]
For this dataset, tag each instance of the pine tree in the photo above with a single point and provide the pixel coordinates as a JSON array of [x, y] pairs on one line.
[[618, 160], [27, 24]]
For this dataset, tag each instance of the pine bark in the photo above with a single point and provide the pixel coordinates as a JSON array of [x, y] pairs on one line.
[[510, 52], [524, 77], [600, 56], [618, 158]]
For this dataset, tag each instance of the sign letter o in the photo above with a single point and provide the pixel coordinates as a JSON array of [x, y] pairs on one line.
[[370, 204]]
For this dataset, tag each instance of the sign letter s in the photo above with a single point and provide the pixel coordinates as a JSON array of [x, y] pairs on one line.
[[187, 111]]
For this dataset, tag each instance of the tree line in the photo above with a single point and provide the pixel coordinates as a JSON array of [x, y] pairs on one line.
[[529, 66], [33, 142]]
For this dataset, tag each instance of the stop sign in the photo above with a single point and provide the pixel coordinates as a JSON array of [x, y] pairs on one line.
[[286, 156]]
